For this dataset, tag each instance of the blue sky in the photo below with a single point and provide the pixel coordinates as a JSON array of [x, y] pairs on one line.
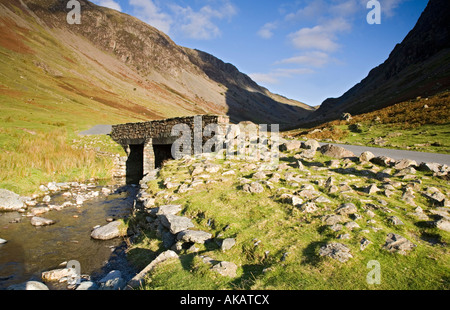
[[306, 50]]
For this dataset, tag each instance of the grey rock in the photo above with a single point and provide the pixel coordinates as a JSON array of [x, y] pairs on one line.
[[398, 244], [112, 281], [382, 161], [226, 269], [372, 189], [443, 224], [29, 286], [347, 208], [336, 251], [10, 201], [311, 144], [57, 274], [106, 232], [138, 279], [290, 145], [196, 236], [351, 225], [168, 209], [332, 219], [434, 167], [366, 156], [335, 151], [227, 244], [175, 223], [40, 221], [87, 286], [308, 207], [253, 187], [404, 163], [395, 220]]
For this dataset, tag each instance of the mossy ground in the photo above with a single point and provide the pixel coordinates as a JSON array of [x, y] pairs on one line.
[[277, 245]]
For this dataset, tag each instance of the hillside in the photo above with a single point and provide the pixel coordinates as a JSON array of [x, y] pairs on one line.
[[118, 68], [418, 66], [420, 124]]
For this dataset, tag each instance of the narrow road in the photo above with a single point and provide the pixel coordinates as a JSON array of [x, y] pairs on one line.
[[419, 157]]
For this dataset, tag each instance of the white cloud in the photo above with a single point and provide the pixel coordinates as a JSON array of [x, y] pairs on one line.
[[266, 31], [109, 4], [321, 37], [201, 24], [274, 76], [149, 12], [313, 58], [388, 6]]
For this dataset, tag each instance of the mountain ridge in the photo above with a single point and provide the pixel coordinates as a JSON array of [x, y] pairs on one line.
[[418, 66], [127, 64]]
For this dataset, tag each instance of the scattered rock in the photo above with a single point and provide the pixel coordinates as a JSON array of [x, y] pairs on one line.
[[29, 286], [347, 208], [195, 236], [335, 151], [366, 156], [332, 219], [382, 161], [112, 281], [311, 144], [253, 187], [398, 244], [87, 286], [364, 243], [138, 279], [10, 201], [290, 145], [175, 223], [443, 224], [308, 207], [40, 221], [168, 209], [227, 244], [226, 269], [57, 274], [336, 251], [404, 163], [106, 232]]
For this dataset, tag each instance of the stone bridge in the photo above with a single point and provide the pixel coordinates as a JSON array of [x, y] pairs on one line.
[[149, 144]]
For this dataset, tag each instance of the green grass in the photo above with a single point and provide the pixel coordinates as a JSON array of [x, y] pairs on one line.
[[406, 125], [225, 210]]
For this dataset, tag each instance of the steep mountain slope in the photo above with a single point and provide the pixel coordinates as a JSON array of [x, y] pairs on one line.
[[419, 66], [115, 67]]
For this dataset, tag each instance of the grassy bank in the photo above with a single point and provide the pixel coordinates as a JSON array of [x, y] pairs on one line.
[[277, 244], [422, 124]]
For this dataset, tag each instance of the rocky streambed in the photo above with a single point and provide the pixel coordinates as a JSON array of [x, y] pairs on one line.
[[49, 230]]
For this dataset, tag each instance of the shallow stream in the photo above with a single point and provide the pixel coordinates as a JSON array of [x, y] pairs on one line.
[[30, 250]]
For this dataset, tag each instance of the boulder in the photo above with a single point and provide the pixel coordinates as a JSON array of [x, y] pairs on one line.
[[311, 144], [290, 145], [347, 208], [106, 232], [137, 280], [175, 223], [87, 286], [40, 221], [434, 167], [308, 207], [404, 163], [332, 219], [168, 209], [366, 156], [29, 286], [443, 224], [196, 236], [336, 251], [335, 151], [10, 201], [398, 244], [382, 161]]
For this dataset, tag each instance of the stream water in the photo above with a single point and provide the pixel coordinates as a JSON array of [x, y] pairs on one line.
[[30, 250]]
